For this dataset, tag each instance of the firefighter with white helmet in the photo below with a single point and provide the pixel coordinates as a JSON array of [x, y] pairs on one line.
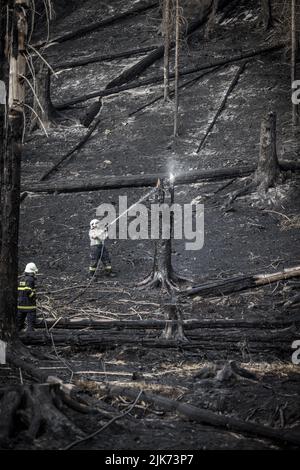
[[98, 250], [27, 298]]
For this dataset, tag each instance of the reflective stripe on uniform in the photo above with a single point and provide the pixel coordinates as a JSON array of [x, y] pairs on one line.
[[26, 307]]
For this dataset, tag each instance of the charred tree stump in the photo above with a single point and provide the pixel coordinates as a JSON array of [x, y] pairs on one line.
[[44, 112], [174, 324], [268, 168], [163, 274], [34, 411]]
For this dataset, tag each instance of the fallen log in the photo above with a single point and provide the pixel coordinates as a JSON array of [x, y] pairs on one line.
[[86, 323], [110, 339], [239, 283], [140, 181], [101, 58], [141, 7], [203, 416], [158, 79]]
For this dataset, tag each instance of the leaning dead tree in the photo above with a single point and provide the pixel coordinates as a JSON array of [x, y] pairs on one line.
[[163, 274], [11, 154]]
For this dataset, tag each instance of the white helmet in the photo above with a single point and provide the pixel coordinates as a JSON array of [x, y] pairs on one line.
[[31, 268], [94, 223]]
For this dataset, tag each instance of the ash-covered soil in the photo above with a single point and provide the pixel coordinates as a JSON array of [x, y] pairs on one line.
[[251, 238]]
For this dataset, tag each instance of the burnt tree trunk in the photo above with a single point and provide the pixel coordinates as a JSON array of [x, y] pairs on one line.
[[174, 325], [163, 274], [44, 111], [4, 71], [212, 19], [295, 117], [11, 171], [167, 34], [268, 168], [176, 71], [266, 14]]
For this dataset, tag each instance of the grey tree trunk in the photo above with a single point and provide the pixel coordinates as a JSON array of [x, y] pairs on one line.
[[177, 31], [295, 116], [268, 167], [167, 39]]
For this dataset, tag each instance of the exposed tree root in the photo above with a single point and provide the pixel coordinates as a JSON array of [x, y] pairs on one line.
[[31, 411]]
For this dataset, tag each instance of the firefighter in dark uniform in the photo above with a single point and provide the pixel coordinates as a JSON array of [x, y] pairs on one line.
[[27, 298]]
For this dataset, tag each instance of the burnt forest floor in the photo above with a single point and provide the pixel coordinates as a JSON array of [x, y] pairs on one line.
[[248, 239]]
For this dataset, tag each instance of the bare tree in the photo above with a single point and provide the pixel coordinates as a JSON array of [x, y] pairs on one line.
[[177, 45], [294, 47], [167, 39]]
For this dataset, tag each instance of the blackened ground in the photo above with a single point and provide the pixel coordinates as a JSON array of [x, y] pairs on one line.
[[54, 231]]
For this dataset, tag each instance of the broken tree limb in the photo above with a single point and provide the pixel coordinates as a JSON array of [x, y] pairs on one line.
[[140, 8], [73, 150], [140, 181], [203, 416], [101, 58], [171, 93], [231, 87], [158, 79], [239, 283]]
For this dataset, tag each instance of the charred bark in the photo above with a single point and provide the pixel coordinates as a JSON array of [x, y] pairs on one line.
[[140, 181], [266, 14], [207, 417], [174, 325], [11, 154], [268, 167], [163, 274], [35, 411], [44, 112], [239, 283]]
